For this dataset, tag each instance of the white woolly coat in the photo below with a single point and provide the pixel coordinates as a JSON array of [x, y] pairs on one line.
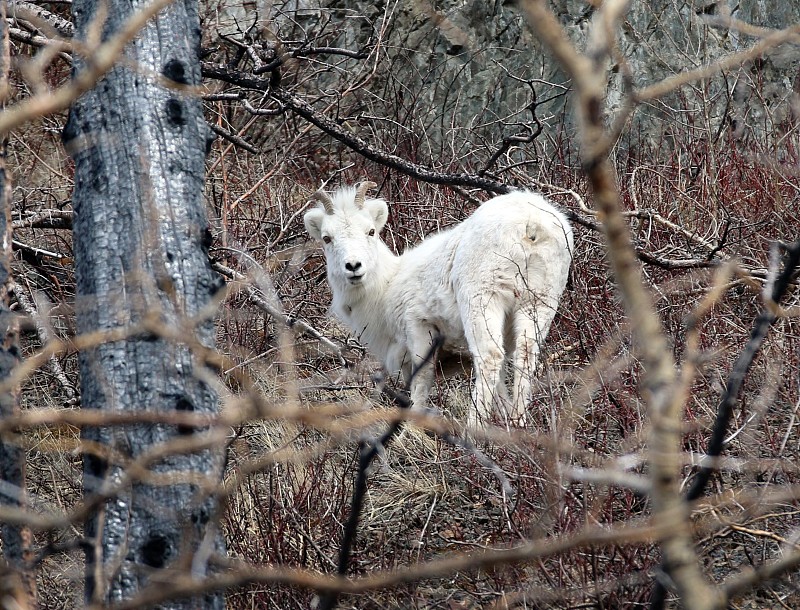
[[488, 286]]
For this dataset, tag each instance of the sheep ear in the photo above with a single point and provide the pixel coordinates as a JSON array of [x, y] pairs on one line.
[[379, 210], [313, 221]]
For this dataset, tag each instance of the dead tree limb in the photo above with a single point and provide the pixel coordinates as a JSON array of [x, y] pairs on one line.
[[664, 404], [761, 326]]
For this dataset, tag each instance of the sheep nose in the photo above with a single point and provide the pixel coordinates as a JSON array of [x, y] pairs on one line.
[[352, 267]]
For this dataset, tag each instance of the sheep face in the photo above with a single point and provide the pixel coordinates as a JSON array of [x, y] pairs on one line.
[[348, 226]]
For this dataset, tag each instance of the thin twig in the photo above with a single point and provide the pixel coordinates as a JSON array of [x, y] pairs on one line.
[[761, 326]]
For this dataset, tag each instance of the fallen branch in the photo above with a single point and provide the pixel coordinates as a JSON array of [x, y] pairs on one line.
[[44, 331]]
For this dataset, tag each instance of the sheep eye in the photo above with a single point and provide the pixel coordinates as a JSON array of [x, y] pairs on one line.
[[371, 232], [326, 239]]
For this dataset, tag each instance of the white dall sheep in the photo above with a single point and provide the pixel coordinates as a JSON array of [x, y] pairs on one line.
[[489, 287]]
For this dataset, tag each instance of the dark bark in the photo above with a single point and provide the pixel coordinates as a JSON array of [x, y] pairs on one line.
[[141, 238]]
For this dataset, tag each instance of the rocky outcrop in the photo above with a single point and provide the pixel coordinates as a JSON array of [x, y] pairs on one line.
[[461, 74]]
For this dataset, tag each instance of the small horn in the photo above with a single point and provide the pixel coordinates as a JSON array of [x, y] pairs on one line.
[[361, 192], [324, 199]]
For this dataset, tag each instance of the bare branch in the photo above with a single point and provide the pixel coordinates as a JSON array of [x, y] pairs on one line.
[[290, 322], [39, 41], [769, 42], [334, 129], [45, 332], [41, 17], [47, 219], [240, 573], [665, 406], [741, 367], [234, 139], [99, 61]]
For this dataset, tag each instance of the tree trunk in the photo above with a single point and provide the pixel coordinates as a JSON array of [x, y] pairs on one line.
[[140, 240], [16, 583]]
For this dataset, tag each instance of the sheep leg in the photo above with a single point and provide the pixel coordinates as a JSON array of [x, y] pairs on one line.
[[526, 352], [420, 386], [423, 373], [484, 334]]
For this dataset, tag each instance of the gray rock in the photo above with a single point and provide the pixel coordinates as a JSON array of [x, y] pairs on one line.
[[463, 75]]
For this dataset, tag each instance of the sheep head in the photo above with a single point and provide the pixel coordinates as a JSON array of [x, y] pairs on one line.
[[348, 224]]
